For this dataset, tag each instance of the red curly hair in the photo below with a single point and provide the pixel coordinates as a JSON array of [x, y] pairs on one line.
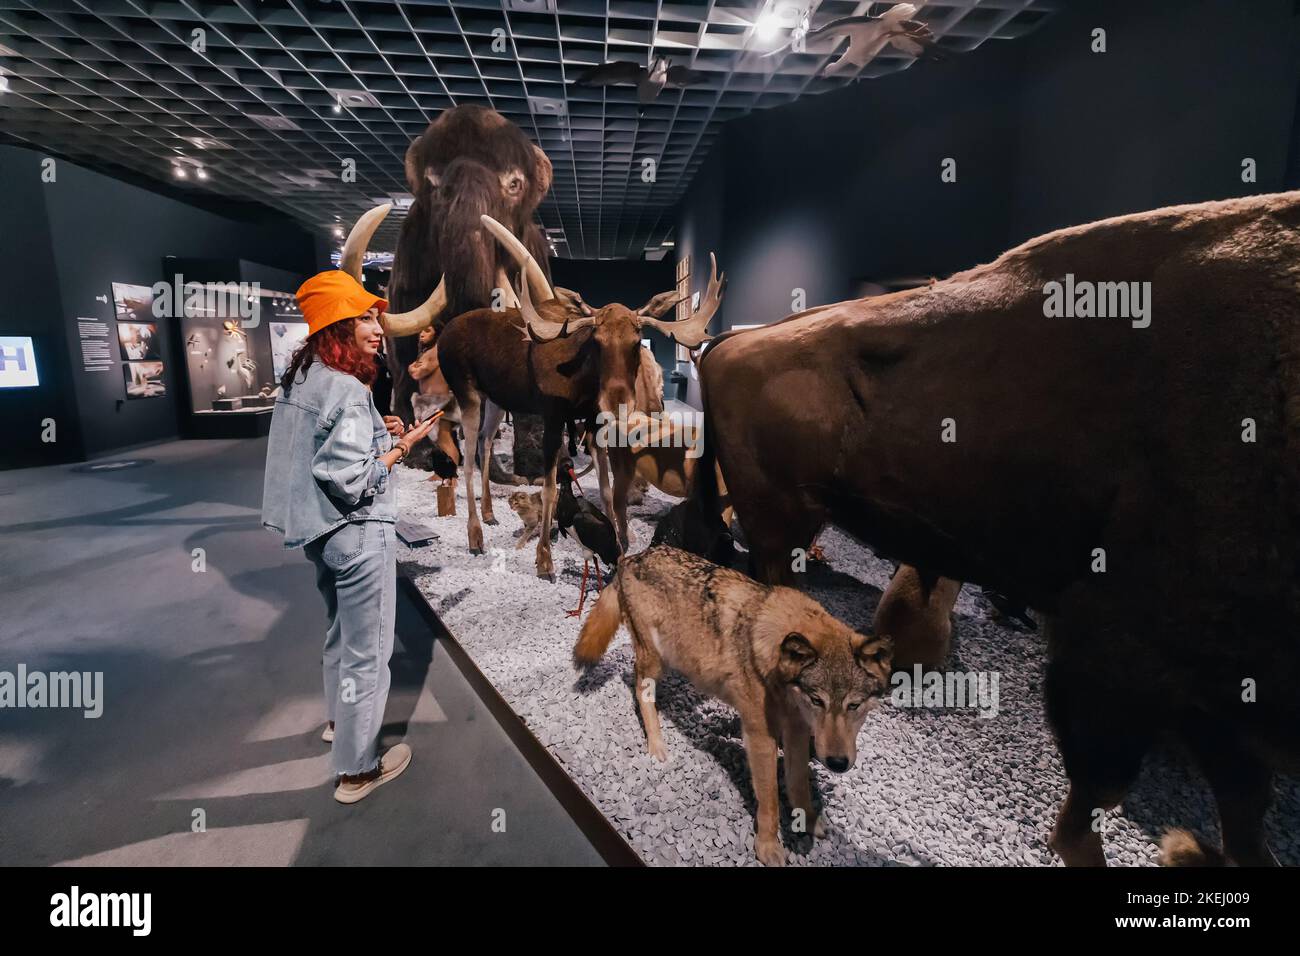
[[335, 346]]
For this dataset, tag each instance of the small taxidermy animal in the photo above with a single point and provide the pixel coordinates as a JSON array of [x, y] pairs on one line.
[[529, 508], [798, 677]]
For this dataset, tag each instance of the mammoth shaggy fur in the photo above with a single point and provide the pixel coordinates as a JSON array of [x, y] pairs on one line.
[[471, 161]]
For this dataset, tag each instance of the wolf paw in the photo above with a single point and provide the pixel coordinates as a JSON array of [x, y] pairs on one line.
[[819, 829], [770, 852], [659, 752]]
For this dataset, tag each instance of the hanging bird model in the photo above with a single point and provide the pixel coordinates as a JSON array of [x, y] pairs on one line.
[[649, 81], [868, 35]]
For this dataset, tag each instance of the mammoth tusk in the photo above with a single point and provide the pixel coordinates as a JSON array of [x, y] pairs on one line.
[[358, 241], [508, 297], [537, 281], [398, 324]]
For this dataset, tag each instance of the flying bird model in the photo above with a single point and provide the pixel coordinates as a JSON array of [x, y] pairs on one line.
[[649, 82], [869, 35]]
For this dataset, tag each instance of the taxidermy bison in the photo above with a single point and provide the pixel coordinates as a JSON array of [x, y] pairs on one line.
[[470, 162], [1135, 477]]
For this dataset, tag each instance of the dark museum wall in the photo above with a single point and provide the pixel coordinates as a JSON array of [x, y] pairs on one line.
[[33, 308], [632, 282], [838, 189], [100, 231], [1186, 90]]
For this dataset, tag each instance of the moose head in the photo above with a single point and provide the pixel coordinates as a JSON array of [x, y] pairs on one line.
[[615, 331]]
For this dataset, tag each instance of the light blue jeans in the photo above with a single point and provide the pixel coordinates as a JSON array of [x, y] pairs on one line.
[[356, 573]]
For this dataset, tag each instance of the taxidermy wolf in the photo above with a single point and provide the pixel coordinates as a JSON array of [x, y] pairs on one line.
[[789, 669]]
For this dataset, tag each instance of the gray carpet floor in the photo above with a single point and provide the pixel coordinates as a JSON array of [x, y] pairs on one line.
[[213, 705]]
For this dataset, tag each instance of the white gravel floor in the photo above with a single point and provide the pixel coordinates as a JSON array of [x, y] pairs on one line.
[[930, 787]]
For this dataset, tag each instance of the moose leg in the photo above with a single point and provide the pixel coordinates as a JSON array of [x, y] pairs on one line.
[[490, 421], [552, 438], [624, 467], [469, 415], [602, 479]]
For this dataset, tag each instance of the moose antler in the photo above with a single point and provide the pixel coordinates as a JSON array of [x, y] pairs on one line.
[[395, 324], [693, 332], [542, 330]]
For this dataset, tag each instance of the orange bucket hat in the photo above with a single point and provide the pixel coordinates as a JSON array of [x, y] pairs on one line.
[[333, 296]]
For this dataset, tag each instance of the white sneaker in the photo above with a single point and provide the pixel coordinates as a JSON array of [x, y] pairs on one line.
[[327, 734], [391, 764]]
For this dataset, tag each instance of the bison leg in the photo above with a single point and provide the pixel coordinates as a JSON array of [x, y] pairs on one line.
[[1102, 746], [1243, 790], [469, 419], [774, 534]]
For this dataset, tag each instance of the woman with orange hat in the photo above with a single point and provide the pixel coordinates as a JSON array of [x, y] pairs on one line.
[[328, 490]]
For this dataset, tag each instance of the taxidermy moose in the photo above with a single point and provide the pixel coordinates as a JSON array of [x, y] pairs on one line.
[[470, 162], [1140, 487], [554, 355]]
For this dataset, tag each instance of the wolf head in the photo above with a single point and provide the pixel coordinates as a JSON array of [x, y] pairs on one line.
[[832, 675]]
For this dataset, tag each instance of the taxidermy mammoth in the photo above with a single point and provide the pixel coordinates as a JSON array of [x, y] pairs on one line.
[[470, 162]]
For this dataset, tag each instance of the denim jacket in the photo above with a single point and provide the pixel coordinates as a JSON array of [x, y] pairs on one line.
[[322, 458]]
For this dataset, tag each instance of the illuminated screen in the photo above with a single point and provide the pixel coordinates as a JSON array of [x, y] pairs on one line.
[[17, 362]]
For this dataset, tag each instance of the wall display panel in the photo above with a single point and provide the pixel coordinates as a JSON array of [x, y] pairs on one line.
[[132, 303], [227, 352], [139, 341], [144, 379]]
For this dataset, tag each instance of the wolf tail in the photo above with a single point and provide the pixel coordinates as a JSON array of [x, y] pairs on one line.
[[600, 627], [1181, 848]]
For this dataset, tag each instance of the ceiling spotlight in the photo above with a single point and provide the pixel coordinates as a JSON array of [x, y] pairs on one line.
[[767, 26], [338, 232], [179, 172], [338, 107], [202, 173]]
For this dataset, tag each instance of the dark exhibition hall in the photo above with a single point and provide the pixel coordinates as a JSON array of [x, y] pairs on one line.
[[651, 433]]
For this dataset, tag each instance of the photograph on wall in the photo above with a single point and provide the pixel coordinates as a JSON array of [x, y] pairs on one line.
[[286, 337], [138, 341], [144, 379], [132, 303]]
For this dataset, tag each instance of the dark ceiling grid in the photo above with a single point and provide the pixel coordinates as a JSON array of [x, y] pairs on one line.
[[114, 84]]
